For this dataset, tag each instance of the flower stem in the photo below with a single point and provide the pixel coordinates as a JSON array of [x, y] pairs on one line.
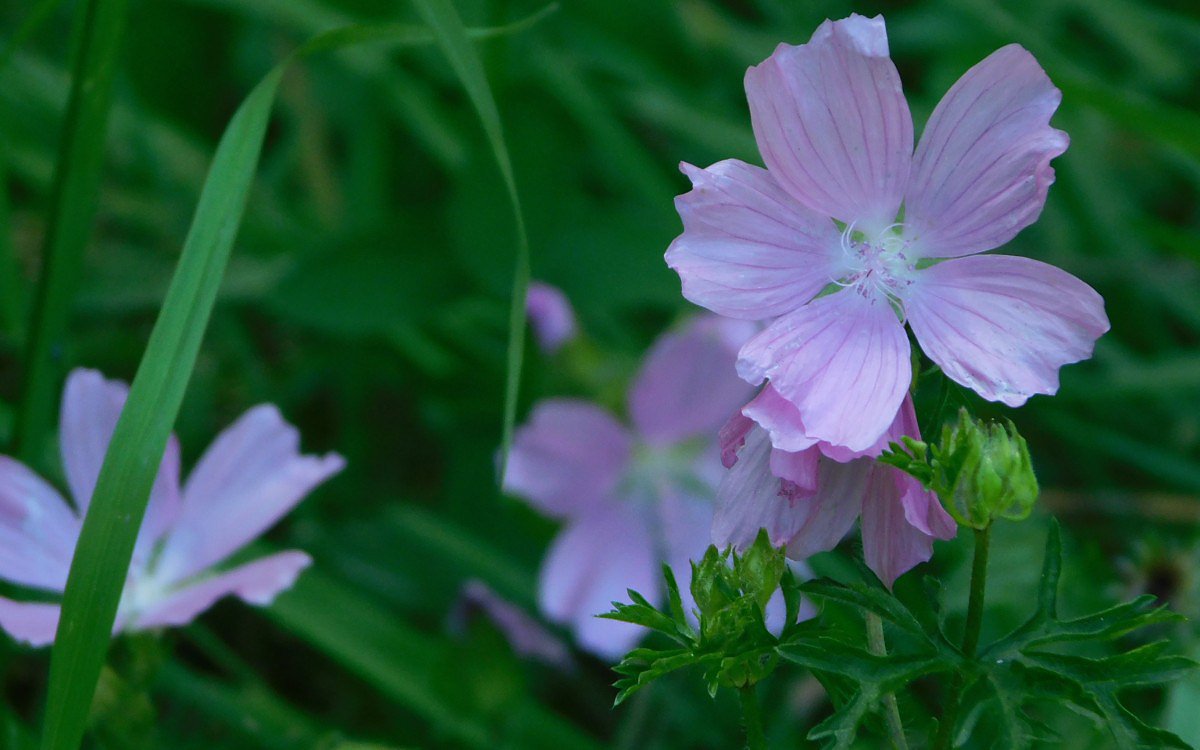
[[971, 632], [752, 717], [878, 646]]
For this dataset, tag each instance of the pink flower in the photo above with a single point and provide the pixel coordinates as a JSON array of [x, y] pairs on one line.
[[248, 479], [550, 315], [836, 135], [630, 497], [808, 501]]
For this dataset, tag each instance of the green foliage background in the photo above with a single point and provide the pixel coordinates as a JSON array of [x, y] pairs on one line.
[[368, 293]]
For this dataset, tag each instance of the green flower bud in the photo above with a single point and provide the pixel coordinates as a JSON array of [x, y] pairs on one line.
[[760, 568], [712, 582], [982, 471]]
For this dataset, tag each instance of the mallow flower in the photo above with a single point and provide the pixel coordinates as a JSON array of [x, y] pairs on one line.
[[809, 501], [249, 478], [848, 234], [550, 316], [631, 497]]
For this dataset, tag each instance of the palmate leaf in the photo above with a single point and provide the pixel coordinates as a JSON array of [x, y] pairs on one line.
[[874, 676], [866, 597], [1025, 670]]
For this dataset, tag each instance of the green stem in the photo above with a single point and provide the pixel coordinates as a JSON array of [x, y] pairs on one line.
[[878, 646], [752, 717], [978, 582], [970, 634]]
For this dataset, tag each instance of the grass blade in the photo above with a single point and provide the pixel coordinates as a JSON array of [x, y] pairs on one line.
[[452, 38], [106, 542], [99, 27]]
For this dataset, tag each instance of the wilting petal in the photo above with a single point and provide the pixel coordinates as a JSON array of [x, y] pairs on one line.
[[832, 124], [248, 479], [751, 497], [568, 456], [525, 635], [91, 406], [842, 360], [550, 315], [781, 419], [687, 385], [891, 544], [29, 622], [590, 565], [257, 582], [748, 249], [38, 530], [834, 507], [732, 437], [982, 170], [1003, 326]]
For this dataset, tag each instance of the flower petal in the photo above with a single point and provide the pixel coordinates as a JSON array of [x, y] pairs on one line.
[[568, 456], [589, 566], [982, 169], [891, 544], [752, 497], [781, 419], [91, 407], [1002, 325], [527, 637], [748, 249], [550, 315], [257, 583], [38, 530], [248, 479], [834, 507], [687, 385], [29, 622], [842, 360], [832, 123]]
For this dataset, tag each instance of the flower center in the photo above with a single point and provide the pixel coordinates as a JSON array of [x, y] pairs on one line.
[[877, 266], [655, 466]]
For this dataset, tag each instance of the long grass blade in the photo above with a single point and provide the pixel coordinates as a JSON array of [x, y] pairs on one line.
[[452, 38], [99, 28], [110, 528], [109, 532]]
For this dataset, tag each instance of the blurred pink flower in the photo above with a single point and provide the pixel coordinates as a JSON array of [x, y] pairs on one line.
[[551, 316], [809, 501], [835, 132], [630, 497], [249, 478]]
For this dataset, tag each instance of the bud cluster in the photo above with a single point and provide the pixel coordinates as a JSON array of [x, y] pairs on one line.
[[981, 471]]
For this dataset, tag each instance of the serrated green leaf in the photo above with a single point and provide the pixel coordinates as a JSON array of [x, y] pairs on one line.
[[889, 672], [866, 598], [645, 615], [663, 664], [1145, 665], [675, 605]]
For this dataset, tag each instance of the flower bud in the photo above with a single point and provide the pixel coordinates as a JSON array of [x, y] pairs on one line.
[[982, 471]]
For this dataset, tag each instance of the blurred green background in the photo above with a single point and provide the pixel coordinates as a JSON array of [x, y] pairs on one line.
[[368, 291]]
